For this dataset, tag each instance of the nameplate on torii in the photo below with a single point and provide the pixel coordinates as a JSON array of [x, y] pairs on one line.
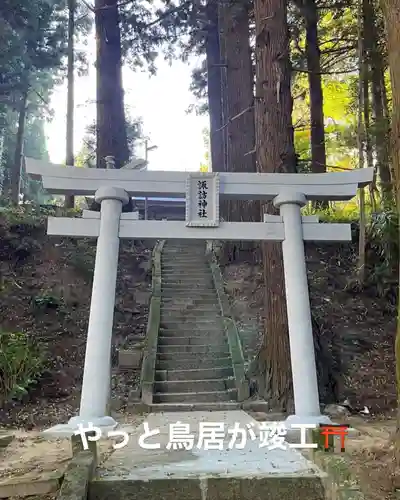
[[202, 200]]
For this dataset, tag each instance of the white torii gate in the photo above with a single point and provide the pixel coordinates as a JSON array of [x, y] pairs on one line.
[[203, 191]]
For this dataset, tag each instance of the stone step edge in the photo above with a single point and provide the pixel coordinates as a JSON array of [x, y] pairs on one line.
[[185, 342], [194, 370], [221, 348], [198, 393], [189, 381], [212, 406]]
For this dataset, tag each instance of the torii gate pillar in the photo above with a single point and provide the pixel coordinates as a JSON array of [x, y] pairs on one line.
[[304, 374], [97, 371]]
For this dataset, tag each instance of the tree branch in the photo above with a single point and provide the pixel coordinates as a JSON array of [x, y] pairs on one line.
[[235, 118], [343, 72]]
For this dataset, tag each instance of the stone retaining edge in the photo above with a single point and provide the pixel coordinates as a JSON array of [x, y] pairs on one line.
[[153, 325], [235, 345], [75, 485], [339, 482]]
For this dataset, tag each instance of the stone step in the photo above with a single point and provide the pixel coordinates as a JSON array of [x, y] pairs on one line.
[[186, 315], [193, 329], [188, 301], [192, 350], [183, 273], [185, 249], [192, 285], [198, 272], [194, 386], [201, 374], [218, 406], [193, 363], [200, 303], [198, 282], [212, 340], [194, 295], [218, 332], [183, 258], [189, 320], [178, 266], [191, 308], [207, 288], [195, 397], [188, 283], [190, 297], [178, 270], [186, 273]]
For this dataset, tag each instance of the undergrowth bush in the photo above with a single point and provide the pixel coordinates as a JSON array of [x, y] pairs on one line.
[[383, 253], [21, 363], [33, 215], [382, 243]]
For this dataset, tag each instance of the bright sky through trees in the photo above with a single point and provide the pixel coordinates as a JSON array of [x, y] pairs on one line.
[[161, 101]]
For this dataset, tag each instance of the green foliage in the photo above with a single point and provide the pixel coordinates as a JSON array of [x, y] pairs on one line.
[[46, 301], [383, 236], [340, 212], [21, 363], [87, 155], [33, 216]]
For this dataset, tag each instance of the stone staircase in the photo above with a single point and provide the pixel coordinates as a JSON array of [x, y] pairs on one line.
[[193, 366]]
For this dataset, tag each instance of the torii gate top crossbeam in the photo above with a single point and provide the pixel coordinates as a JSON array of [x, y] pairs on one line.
[[59, 179]]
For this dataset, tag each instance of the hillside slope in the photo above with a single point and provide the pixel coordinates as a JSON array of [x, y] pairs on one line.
[[45, 287]]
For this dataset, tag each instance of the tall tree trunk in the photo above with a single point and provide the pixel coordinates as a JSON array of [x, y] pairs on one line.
[[318, 154], [224, 84], [366, 76], [69, 156], [214, 88], [361, 135], [381, 136], [16, 170], [391, 14], [275, 153], [111, 126], [240, 102]]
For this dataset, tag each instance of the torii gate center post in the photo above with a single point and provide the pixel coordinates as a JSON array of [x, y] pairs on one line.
[[203, 191]]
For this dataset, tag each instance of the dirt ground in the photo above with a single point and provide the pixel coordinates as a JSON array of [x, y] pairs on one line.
[[371, 460]]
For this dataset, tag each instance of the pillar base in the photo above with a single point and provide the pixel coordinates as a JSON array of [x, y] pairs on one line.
[[308, 420], [106, 424]]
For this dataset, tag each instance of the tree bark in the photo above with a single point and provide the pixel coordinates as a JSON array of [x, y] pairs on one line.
[[214, 88], [111, 126], [69, 156], [16, 171], [275, 153], [239, 121], [361, 134], [318, 153], [381, 136], [391, 14]]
